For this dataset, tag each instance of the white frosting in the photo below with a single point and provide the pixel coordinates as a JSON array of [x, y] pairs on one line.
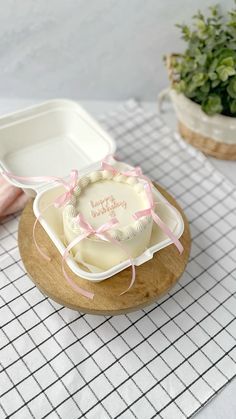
[[100, 196]]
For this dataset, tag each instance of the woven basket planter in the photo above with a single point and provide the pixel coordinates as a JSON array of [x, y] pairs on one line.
[[214, 135]]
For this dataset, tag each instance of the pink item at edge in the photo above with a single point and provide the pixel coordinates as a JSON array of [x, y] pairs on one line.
[[12, 199], [59, 201]]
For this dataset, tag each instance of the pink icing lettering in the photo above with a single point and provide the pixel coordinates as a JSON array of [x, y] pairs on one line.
[[108, 204]]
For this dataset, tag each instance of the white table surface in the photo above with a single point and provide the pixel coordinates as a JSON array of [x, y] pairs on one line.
[[223, 406]]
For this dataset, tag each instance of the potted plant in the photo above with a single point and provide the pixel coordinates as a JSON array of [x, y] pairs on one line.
[[203, 83]]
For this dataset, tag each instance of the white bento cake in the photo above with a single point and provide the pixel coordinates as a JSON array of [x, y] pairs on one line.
[[98, 197]]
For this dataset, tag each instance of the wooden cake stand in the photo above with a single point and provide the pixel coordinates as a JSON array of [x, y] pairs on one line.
[[153, 278]]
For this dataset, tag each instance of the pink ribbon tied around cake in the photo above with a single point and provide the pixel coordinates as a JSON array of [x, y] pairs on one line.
[[59, 201], [102, 233], [69, 186], [135, 172], [151, 212]]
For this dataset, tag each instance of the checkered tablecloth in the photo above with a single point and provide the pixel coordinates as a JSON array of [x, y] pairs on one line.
[[165, 361]]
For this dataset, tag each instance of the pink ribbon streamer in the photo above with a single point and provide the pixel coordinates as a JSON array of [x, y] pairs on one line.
[[59, 201], [102, 233], [69, 186], [151, 212]]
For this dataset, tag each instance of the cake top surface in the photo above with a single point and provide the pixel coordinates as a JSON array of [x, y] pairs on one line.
[[101, 196]]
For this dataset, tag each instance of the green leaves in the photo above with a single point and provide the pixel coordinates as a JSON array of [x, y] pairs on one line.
[[198, 80], [226, 68], [206, 72], [233, 106], [225, 72], [231, 88], [212, 105]]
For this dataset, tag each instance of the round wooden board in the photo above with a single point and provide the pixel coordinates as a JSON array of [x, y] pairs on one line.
[[153, 278], [207, 145]]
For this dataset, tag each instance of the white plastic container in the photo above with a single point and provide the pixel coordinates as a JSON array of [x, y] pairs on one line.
[[51, 139]]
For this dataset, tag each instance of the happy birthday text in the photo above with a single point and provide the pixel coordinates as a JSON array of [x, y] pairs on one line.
[[106, 205]]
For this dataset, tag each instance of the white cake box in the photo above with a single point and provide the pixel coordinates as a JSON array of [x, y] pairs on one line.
[[51, 139]]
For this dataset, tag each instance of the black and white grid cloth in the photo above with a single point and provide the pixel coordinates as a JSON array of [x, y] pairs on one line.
[[165, 361]]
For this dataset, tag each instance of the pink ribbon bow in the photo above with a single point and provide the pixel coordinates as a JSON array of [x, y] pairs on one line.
[[135, 172], [59, 201], [69, 186], [151, 212], [102, 233]]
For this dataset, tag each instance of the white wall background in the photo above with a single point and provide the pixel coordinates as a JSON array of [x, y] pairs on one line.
[[89, 49]]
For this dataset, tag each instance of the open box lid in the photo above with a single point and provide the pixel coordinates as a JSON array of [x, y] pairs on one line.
[[51, 139]]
